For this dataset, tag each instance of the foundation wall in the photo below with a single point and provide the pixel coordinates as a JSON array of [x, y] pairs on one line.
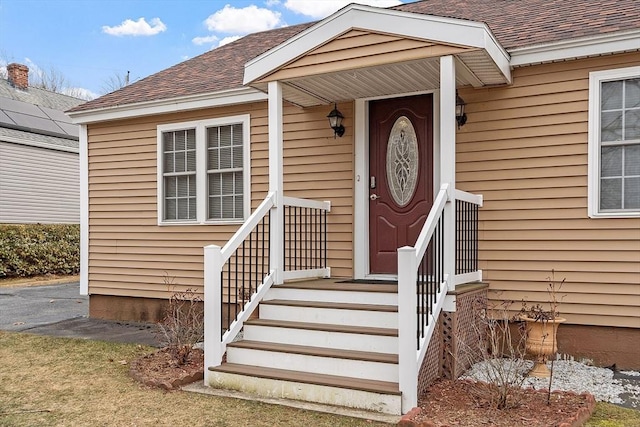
[[604, 345]]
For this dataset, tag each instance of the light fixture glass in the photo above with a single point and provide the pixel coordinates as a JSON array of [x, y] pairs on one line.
[[335, 121], [461, 117]]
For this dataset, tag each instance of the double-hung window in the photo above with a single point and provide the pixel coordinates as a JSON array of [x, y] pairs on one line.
[[203, 171], [614, 143]]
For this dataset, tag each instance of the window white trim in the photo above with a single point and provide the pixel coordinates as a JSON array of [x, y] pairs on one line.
[[595, 80], [201, 168]]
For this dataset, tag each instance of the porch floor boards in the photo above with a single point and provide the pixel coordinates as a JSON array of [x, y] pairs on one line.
[[348, 329], [317, 351], [334, 305], [373, 386]]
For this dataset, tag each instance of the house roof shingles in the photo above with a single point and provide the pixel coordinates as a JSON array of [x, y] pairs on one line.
[[514, 23], [36, 117]]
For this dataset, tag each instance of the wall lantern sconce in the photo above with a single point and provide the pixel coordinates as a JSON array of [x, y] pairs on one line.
[[461, 117], [335, 121]]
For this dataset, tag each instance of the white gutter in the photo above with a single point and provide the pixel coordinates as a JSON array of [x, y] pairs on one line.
[[39, 144], [576, 48], [241, 95]]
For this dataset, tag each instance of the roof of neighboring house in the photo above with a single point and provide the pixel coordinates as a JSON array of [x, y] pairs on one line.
[[514, 23], [36, 117]]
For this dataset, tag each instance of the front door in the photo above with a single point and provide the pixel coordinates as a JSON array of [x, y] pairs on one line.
[[401, 176]]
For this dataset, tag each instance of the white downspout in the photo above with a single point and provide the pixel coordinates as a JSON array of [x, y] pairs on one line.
[[84, 210]]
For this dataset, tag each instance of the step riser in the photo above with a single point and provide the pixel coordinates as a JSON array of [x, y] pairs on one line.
[[324, 339], [265, 387], [314, 364], [332, 316], [332, 296]]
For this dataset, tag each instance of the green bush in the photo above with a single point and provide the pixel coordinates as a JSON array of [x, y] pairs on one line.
[[37, 249]]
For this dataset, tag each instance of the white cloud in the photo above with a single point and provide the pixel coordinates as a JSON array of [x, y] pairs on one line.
[[272, 3], [79, 92], [204, 40], [34, 70], [250, 19], [321, 9], [228, 40], [136, 28]]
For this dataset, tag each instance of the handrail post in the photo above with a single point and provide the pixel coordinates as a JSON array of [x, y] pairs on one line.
[[213, 350], [407, 323]]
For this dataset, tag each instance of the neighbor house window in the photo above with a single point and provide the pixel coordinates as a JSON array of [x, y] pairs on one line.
[[203, 171], [614, 143]]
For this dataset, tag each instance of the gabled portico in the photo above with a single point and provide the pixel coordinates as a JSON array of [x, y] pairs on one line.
[[364, 55], [361, 54]]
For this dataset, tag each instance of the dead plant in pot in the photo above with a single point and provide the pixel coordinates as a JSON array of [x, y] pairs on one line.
[[542, 327]]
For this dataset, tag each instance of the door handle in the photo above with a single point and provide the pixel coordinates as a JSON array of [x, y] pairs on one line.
[[374, 197]]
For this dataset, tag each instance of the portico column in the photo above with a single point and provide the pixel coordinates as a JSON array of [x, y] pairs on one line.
[[276, 221], [448, 160]]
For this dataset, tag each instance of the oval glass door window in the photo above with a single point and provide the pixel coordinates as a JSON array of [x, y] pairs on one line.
[[402, 161]]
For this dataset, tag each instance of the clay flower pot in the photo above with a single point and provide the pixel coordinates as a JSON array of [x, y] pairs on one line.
[[541, 343]]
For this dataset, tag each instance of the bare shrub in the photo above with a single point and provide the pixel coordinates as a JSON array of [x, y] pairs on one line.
[[497, 356], [183, 324]]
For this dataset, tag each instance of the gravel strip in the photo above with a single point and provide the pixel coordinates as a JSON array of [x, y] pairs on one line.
[[622, 387]]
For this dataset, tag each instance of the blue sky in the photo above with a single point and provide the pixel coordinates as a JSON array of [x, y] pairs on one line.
[[90, 42]]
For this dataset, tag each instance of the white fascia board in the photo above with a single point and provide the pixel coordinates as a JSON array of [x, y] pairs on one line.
[[413, 25], [241, 95], [576, 48], [39, 144]]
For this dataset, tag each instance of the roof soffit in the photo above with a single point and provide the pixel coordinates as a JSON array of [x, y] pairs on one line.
[[426, 28]]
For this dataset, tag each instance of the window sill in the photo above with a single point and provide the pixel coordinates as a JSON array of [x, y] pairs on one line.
[[187, 223], [600, 215]]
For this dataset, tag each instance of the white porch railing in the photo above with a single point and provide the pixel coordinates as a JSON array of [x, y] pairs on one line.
[[423, 281], [238, 275]]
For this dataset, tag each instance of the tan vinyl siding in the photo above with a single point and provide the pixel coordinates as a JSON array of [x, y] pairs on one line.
[[130, 254], [525, 148], [357, 49], [38, 185]]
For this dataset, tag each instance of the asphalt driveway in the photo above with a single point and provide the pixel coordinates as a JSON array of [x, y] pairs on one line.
[[59, 310]]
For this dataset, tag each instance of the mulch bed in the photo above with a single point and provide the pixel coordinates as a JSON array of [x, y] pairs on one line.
[[461, 403], [159, 369]]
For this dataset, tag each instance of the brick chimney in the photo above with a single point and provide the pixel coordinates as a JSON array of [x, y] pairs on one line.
[[18, 75]]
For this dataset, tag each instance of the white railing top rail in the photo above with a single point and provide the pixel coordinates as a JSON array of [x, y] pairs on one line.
[[306, 203], [247, 227], [432, 220], [476, 199]]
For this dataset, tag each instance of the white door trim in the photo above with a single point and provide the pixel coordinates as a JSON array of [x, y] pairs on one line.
[[361, 268]]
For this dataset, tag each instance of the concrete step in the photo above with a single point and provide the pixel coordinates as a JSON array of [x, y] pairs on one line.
[[371, 395]]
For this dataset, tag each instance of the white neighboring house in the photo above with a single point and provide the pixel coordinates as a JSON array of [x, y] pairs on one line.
[[39, 173]]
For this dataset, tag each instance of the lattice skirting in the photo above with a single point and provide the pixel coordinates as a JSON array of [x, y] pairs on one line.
[[448, 354]]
